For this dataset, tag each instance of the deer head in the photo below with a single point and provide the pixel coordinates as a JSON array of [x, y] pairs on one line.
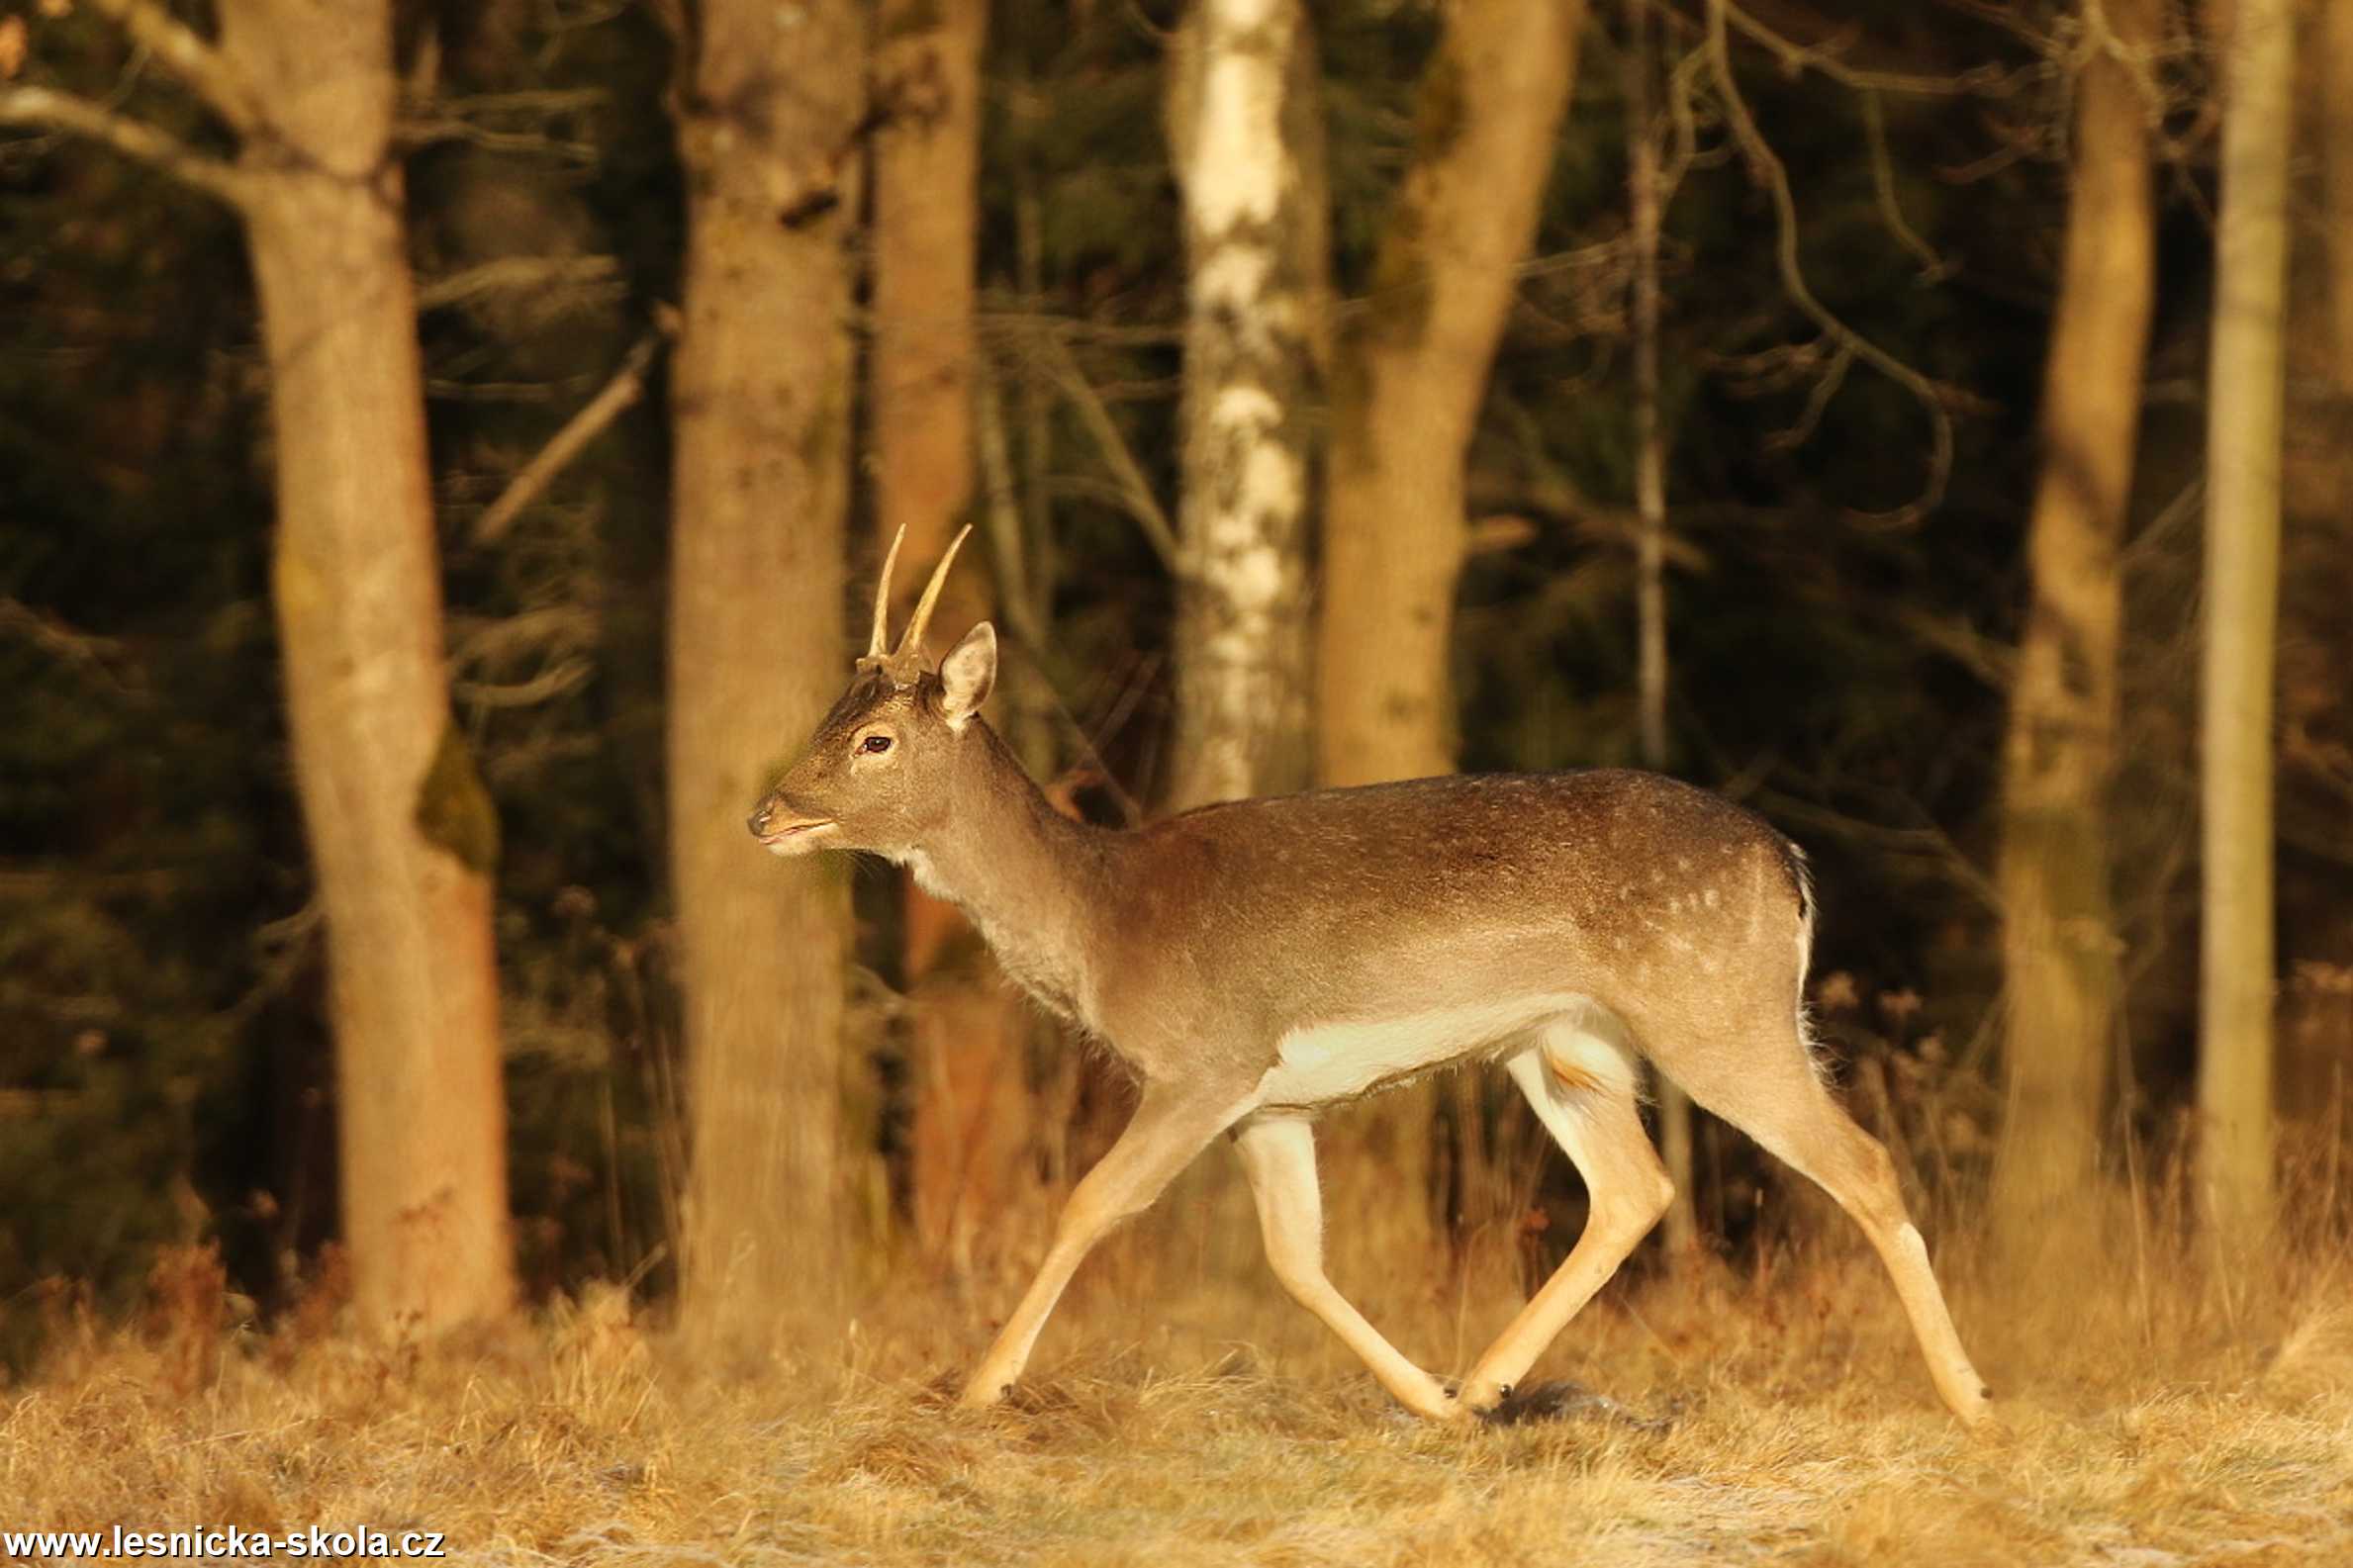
[[874, 775]]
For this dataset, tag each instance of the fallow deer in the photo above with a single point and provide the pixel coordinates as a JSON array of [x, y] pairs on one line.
[[1258, 962]]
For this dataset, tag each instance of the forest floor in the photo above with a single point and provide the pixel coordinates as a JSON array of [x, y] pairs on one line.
[[2150, 1416]]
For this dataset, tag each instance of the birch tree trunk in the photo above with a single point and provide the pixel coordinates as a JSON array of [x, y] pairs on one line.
[[1247, 133], [762, 400], [401, 828], [2244, 399], [2058, 935], [1410, 373], [970, 1127]]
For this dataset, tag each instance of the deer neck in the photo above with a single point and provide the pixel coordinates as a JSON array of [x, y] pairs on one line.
[[1027, 875]]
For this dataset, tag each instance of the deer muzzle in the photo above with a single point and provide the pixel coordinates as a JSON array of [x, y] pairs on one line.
[[785, 831]]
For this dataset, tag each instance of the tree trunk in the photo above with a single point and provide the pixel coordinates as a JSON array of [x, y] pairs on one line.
[[403, 833], [970, 1122], [2244, 396], [2335, 74], [926, 216], [762, 405], [2058, 934], [1410, 373], [1408, 376], [1246, 131]]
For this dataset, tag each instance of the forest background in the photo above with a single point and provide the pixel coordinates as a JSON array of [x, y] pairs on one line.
[[1819, 402]]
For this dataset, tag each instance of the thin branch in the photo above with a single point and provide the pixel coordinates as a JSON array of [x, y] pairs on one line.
[[414, 135], [1817, 399], [1988, 81], [99, 655], [1767, 165], [49, 109], [2010, 19], [1004, 514], [624, 389], [1991, 661], [546, 687], [1933, 267], [1134, 490], [195, 61], [514, 273]]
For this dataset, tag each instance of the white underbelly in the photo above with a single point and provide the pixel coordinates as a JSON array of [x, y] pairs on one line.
[[1324, 1063]]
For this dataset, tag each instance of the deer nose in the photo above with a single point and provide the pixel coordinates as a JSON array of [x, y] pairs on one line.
[[758, 820]]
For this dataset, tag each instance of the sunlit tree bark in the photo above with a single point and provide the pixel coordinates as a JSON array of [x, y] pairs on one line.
[[398, 823], [761, 399], [2334, 72], [1408, 375], [970, 1087], [1410, 372], [2244, 401], [2059, 936], [402, 831], [925, 238]]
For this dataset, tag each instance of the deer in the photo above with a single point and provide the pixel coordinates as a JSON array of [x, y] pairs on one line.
[[1258, 961]]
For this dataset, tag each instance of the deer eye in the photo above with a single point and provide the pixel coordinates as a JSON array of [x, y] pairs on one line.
[[875, 744]]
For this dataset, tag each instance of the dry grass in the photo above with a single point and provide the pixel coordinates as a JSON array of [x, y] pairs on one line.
[[2152, 1418]]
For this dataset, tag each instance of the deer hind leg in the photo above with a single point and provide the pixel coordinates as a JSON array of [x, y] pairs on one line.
[[1279, 1157], [1779, 1102], [1584, 1089]]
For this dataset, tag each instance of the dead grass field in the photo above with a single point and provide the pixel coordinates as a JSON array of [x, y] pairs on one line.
[[2155, 1412]]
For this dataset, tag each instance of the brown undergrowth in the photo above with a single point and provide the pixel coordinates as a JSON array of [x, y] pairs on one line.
[[2158, 1406]]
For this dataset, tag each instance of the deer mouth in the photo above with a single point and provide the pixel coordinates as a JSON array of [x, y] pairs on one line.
[[794, 837]]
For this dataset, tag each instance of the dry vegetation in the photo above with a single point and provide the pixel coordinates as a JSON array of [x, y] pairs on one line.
[[2153, 1414]]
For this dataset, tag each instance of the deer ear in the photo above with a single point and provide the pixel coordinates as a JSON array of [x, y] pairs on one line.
[[968, 673]]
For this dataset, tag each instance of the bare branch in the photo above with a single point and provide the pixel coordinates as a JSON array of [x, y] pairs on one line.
[[1988, 81], [1766, 166], [101, 655], [546, 687], [1993, 662], [417, 134], [514, 273], [1003, 514], [625, 388], [48, 109], [1135, 490], [1933, 267], [1818, 397], [198, 64]]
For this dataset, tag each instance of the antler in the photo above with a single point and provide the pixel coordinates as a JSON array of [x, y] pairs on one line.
[[877, 645], [905, 665]]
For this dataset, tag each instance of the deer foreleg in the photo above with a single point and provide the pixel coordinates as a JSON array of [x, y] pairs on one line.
[[1171, 1126]]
